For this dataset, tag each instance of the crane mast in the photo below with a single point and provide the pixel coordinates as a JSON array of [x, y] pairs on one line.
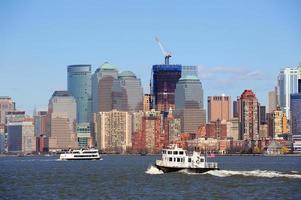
[[167, 54]]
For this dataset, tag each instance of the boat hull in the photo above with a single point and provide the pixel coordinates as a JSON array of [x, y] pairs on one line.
[[80, 158], [192, 170]]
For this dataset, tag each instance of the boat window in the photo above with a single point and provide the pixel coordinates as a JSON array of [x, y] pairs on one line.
[[182, 159], [164, 152], [175, 153], [170, 159], [169, 152], [181, 152], [189, 159], [202, 159], [178, 160], [174, 159]]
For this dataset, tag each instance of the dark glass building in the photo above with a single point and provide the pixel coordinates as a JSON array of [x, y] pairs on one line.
[[296, 114], [163, 85]]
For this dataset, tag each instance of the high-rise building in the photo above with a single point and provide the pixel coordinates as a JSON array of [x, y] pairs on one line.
[[287, 85], [6, 104], [40, 121], [248, 111], [273, 100], [235, 109], [219, 107], [83, 131], [79, 85], [296, 114], [147, 100], [216, 130], [14, 116], [189, 103], [102, 87], [21, 138], [114, 131], [147, 131], [163, 85], [280, 125], [61, 121], [262, 114], [127, 92]]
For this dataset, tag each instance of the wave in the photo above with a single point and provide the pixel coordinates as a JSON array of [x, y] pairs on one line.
[[153, 170], [254, 173]]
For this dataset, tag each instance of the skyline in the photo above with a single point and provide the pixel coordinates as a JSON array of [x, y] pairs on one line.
[[39, 39]]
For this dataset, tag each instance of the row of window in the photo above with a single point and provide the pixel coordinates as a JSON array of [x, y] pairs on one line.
[[173, 152]]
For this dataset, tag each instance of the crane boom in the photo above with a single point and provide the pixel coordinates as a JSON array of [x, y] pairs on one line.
[[167, 54]]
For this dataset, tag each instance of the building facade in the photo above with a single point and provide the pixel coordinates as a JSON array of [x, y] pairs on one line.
[[296, 114], [21, 138], [147, 102], [6, 104], [102, 87], [163, 85], [114, 131], [287, 85], [189, 104], [219, 107], [273, 100], [79, 86], [127, 92], [61, 121], [248, 111]]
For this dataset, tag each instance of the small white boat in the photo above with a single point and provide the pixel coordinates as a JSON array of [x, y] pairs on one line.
[[82, 154], [176, 159]]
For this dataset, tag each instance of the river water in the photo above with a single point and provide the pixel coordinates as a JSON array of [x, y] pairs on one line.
[[134, 177]]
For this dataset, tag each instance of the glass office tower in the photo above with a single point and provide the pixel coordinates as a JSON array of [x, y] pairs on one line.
[[79, 85]]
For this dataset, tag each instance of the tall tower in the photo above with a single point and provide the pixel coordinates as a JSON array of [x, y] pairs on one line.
[[79, 85], [102, 86], [61, 125], [163, 85], [287, 85], [189, 103], [128, 92], [248, 112]]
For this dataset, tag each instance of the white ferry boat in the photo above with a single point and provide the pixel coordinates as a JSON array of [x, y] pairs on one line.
[[82, 154], [176, 159]]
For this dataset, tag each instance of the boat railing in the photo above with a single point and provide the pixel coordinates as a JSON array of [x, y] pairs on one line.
[[211, 164]]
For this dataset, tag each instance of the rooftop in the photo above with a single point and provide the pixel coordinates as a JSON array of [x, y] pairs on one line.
[[127, 74], [107, 66], [61, 93]]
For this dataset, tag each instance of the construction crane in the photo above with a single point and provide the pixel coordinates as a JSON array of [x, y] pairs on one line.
[[167, 54]]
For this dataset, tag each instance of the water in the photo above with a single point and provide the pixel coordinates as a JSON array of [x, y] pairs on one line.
[[134, 177]]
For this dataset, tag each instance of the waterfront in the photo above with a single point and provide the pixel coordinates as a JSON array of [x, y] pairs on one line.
[[132, 177]]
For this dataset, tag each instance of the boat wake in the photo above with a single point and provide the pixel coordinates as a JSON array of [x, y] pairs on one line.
[[153, 170], [254, 173]]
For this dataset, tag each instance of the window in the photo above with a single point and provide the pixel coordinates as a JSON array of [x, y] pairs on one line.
[[169, 152], [174, 159], [189, 159], [178, 160], [182, 159], [170, 159], [175, 153], [202, 159], [164, 152], [181, 152]]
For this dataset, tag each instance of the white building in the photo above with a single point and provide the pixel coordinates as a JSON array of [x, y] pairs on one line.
[[287, 85]]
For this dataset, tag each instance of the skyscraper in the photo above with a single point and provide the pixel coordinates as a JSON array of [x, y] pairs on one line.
[[296, 114], [262, 114], [189, 103], [79, 85], [102, 87], [273, 100], [147, 100], [163, 85], [127, 92], [219, 107], [61, 126], [287, 85], [248, 111], [235, 109]]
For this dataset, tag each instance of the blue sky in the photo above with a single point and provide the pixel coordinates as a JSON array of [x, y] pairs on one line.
[[236, 44]]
